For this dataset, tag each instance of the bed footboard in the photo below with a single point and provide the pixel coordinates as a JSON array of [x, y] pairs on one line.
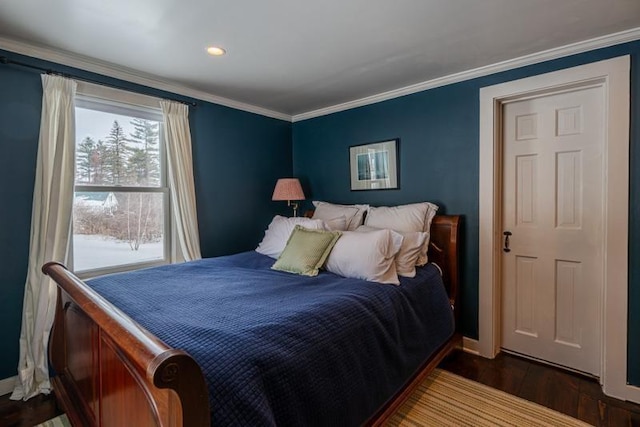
[[112, 372]]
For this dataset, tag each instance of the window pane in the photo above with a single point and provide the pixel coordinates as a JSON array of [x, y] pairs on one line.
[[112, 149], [112, 229]]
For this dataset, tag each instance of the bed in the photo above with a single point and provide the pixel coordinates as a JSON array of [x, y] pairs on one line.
[[111, 370]]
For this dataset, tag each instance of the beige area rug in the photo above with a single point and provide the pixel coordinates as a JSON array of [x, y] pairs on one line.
[[445, 399], [61, 421]]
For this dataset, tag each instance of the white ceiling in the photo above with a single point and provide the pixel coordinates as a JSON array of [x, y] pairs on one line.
[[297, 56]]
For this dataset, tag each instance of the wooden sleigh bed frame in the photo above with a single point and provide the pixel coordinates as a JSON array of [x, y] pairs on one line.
[[109, 371]]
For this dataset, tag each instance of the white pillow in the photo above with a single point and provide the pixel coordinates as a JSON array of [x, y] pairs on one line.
[[366, 255], [353, 213], [410, 250], [277, 235], [412, 217], [405, 218], [336, 224], [423, 259]]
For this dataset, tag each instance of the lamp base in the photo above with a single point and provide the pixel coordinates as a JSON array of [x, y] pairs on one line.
[[294, 205]]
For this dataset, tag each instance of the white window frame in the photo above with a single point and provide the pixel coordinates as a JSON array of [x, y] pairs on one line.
[[101, 98]]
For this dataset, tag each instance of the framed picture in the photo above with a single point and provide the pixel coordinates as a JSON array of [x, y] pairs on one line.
[[374, 166]]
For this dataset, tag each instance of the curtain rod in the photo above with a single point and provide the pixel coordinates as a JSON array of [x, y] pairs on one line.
[[5, 60]]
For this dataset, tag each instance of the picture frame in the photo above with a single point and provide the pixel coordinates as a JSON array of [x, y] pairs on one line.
[[374, 166]]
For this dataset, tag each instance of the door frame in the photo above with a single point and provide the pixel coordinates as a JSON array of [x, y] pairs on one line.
[[613, 76]]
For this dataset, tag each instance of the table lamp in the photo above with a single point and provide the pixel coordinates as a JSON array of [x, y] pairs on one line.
[[289, 189]]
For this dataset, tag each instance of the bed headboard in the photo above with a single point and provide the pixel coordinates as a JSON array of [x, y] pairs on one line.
[[444, 251]]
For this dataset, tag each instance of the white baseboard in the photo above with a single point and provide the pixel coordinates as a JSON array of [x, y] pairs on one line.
[[469, 345], [6, 385], [632, 393]]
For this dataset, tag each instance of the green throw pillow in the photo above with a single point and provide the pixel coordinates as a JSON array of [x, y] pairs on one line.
[[306, 251]]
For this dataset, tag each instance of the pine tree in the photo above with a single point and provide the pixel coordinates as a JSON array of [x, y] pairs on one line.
[[147, 164], [98, 160], [85, 155], [143, 168], [117, 151], [137, 166]]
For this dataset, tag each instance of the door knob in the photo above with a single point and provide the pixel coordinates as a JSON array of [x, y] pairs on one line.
[[506, 241]]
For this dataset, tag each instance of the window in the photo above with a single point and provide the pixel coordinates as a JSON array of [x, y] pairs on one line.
[[120, 209]]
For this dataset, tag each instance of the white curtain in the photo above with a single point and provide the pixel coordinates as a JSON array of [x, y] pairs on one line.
[[50, 229], [182, 188]]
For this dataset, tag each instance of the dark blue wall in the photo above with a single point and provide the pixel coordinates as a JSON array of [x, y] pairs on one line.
[[439, 149], [237, 158]]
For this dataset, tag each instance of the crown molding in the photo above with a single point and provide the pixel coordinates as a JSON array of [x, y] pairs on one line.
[[129, 75], [534, 58], [122, 73]]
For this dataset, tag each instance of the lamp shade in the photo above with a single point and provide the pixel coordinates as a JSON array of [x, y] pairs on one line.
[[288, 189]]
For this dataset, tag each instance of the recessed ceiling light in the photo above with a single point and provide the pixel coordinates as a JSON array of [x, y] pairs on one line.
[[216, 51]]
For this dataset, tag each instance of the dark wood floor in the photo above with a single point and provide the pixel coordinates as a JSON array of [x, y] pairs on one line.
[[572, 394], [27, 414], [566, 392]]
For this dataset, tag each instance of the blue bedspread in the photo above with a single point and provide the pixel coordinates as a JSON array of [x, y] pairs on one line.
[[287, 350]]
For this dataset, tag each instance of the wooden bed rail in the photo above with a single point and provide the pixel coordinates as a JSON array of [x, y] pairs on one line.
[[147, 367]]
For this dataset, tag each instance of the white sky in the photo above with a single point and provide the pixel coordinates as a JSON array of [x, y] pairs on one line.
[[97, 124]]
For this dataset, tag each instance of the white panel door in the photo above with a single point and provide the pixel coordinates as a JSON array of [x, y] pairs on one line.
[[552, 271]]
